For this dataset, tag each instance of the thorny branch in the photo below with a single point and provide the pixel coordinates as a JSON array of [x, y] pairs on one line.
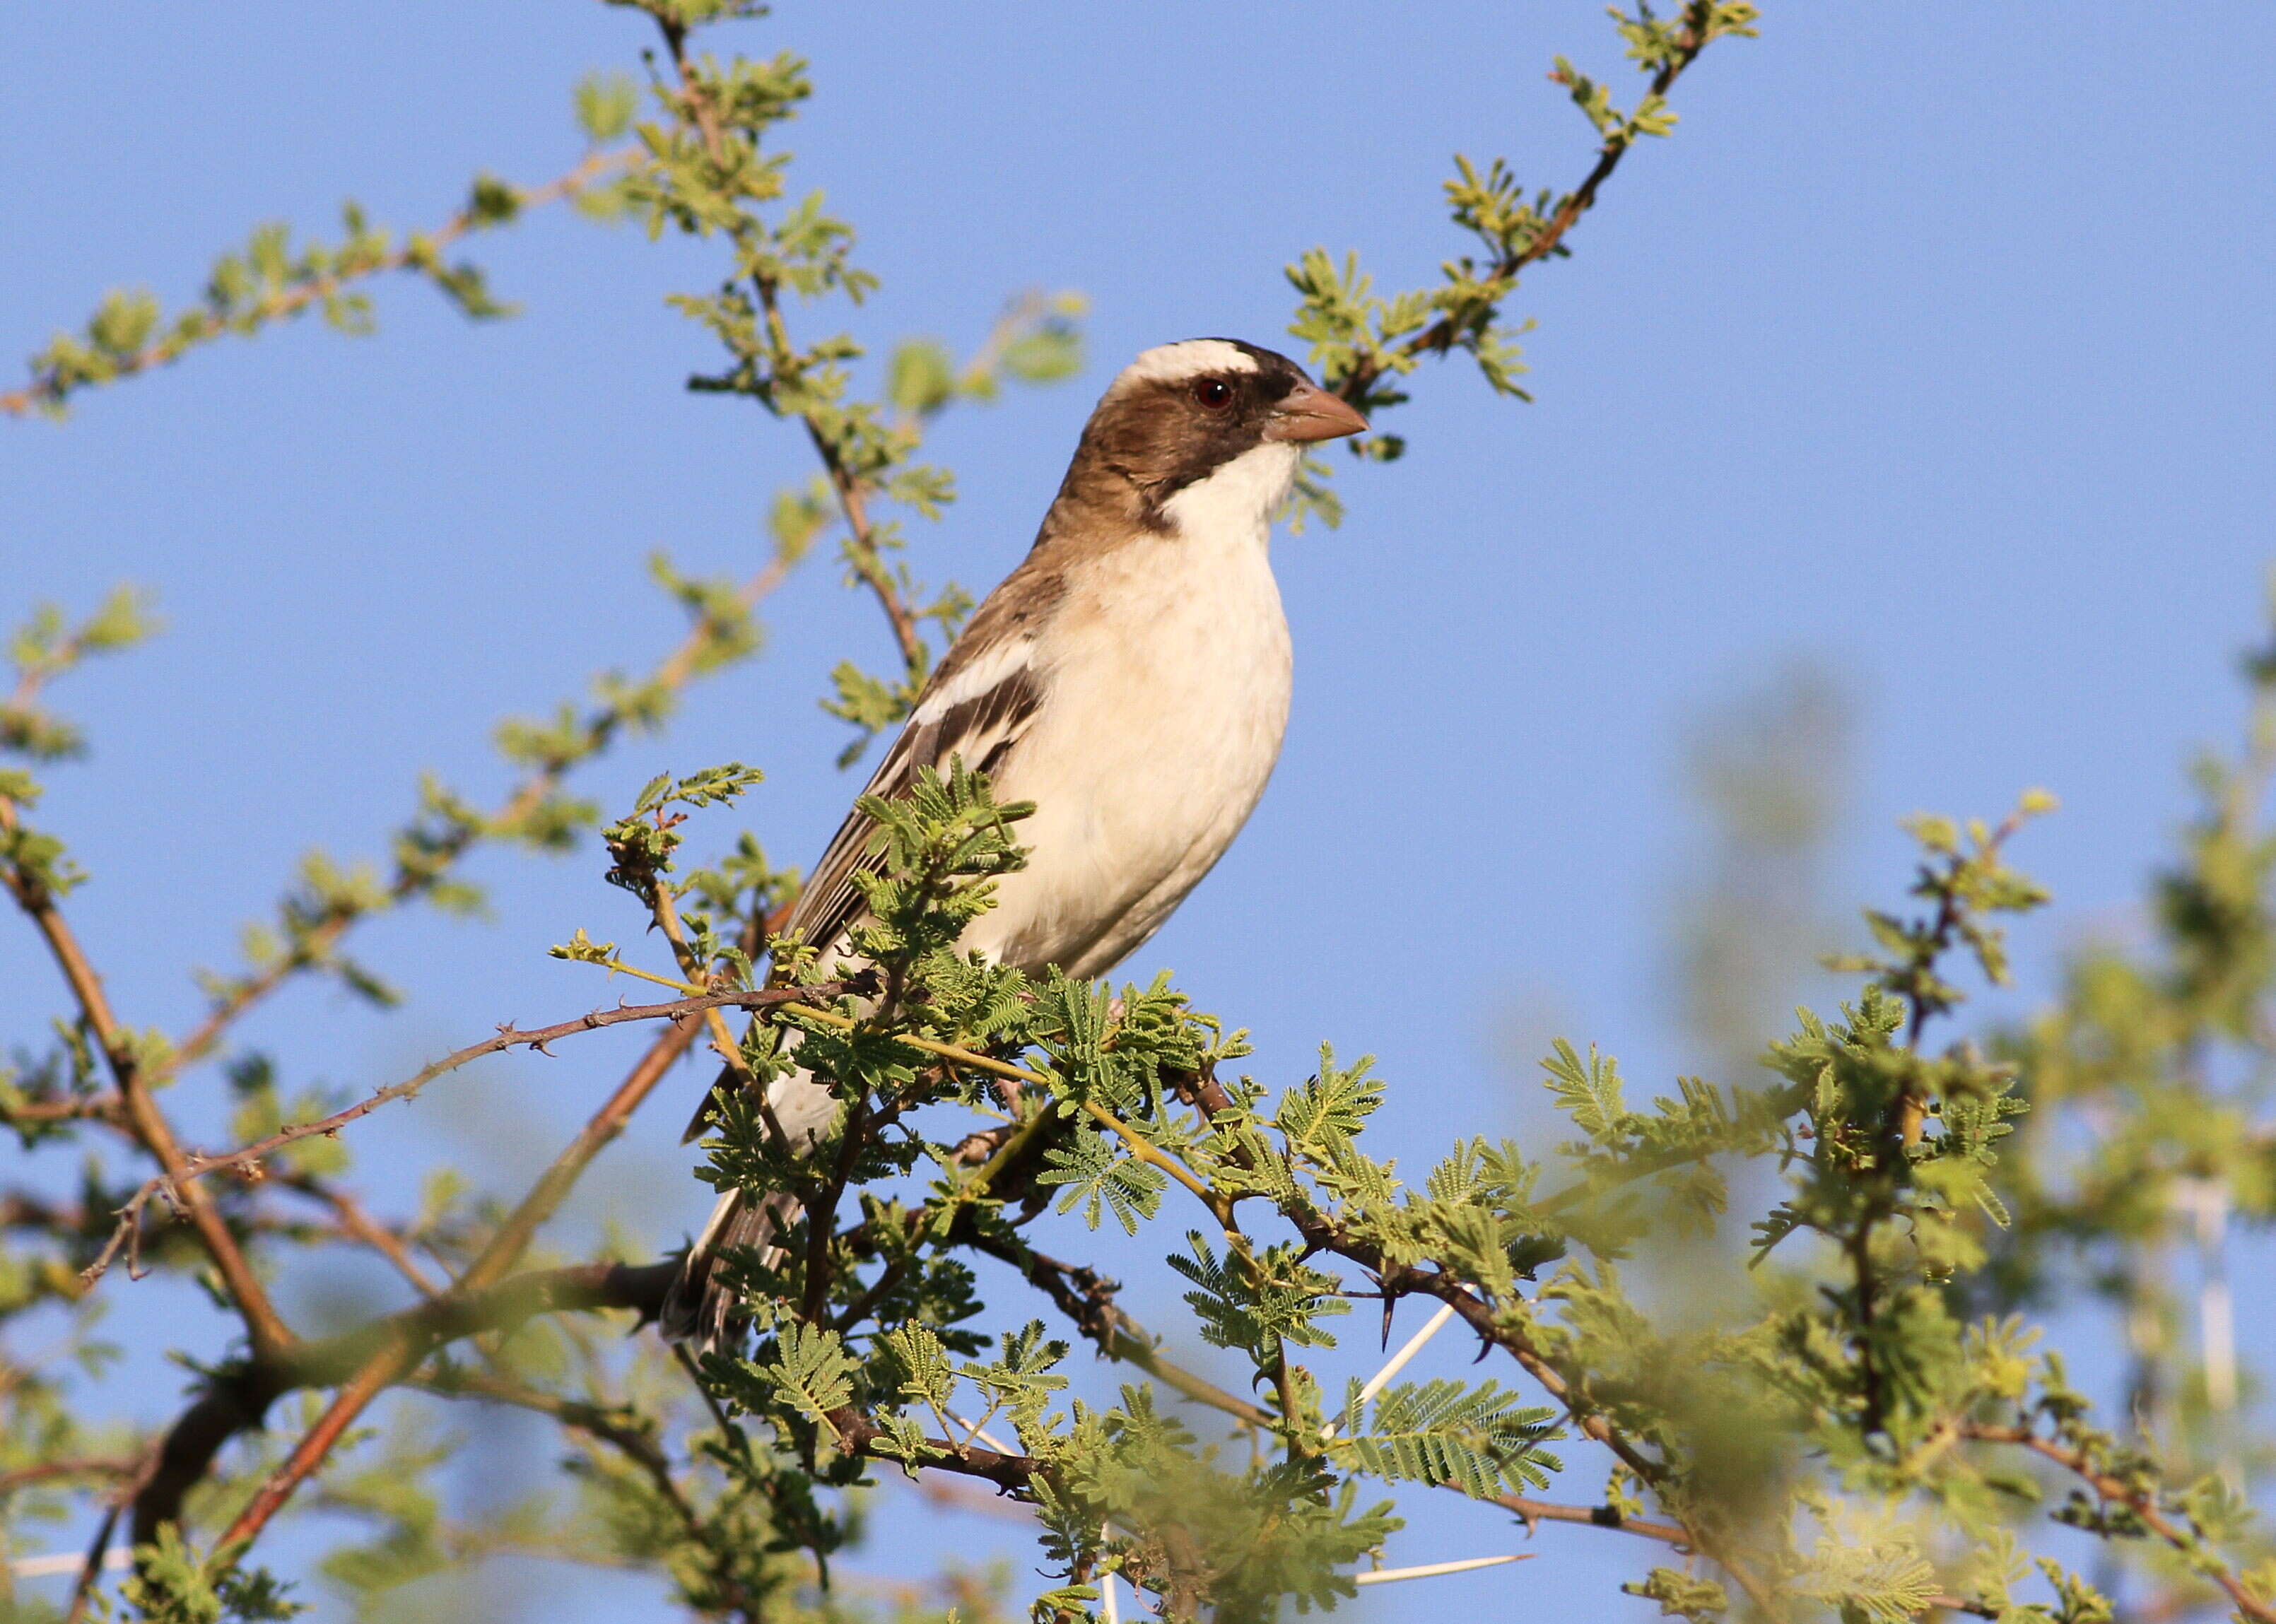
[[1207, 1096], [143, 1119], [174, 1186]]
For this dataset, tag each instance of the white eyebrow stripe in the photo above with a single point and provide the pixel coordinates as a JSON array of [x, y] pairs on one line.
[[1173, 364]]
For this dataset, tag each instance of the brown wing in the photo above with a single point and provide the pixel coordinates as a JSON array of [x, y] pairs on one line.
[[981, 726], [977, 710]]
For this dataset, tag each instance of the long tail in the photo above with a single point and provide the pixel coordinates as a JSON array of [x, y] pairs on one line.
[[700, 1309]]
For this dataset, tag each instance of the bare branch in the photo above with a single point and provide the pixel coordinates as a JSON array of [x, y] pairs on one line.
[[175, 1186]]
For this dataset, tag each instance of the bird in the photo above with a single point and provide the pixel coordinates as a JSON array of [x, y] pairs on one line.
[[1131, 677]]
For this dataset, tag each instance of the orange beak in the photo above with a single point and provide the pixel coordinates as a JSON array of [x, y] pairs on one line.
[[1308, 412]]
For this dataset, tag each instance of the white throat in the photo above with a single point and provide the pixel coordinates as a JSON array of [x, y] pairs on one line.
[[1238, 501]]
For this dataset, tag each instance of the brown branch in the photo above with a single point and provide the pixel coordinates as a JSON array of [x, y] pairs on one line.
[[47, 1471], [396, 1358], [857, 1434], [419, 253], [1206, 1095], [1087, 1297], [237, 1397], [852, 502], [850, 493], [85, 1108], [175, 1187], [1593, 1516], [2143, 1502], [91, 1569], [145, 1122]]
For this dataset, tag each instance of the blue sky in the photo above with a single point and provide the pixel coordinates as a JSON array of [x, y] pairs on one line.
[[1936, 346]]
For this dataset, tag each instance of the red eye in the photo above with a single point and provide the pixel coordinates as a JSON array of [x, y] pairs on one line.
[[1215, 393]]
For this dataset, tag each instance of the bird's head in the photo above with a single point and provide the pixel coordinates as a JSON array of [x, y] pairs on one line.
[[1209, 425]]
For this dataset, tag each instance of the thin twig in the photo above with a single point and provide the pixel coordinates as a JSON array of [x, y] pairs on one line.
[[1442, 334], [419, 251], [851, 494], [229, 1407], [91, 1569], [1087, 1298], [175, 1186], [145, 1122], [1139, 1147], [1322, 1235], [236, 1398], [2142, 1502], [1534, 1511], [393, 1361]]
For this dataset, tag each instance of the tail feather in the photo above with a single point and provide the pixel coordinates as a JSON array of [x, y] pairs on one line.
[[701, 1309]]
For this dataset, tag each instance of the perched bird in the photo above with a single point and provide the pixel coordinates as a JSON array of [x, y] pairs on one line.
[[1130, 678]]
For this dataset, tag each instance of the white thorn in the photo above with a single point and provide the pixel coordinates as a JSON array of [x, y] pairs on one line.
[[1106, 1588], [1381, 1379], [63, 1562], [974, 1429], [1432, 1570]]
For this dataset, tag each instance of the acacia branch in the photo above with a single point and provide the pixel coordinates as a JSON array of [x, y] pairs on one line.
[[144, 1121], [42, 1113], [850, 493], [2142, 1500], [857, 1434], [417, 253], [435, 858], [175, 1186], [1206, 1095], [238, 1396], [395, 1353], [1534, 1511], [1087, 1297], [397, 1358], [1442, 334]]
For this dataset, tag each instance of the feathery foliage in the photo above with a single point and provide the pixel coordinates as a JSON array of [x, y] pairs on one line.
[[1780, 1330]]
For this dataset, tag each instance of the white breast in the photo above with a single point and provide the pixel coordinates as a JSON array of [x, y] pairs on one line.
[[1168, 673]]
